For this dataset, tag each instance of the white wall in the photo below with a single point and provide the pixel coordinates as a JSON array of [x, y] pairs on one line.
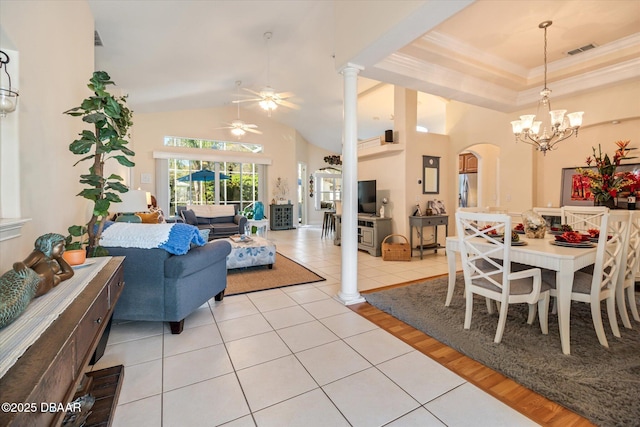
[[526, 177], [489, 161], [615, 103], [55, 42], [357, 29], [397, 173], [281, 143]]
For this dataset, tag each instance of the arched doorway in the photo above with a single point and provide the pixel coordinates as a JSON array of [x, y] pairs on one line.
[[480, 174]]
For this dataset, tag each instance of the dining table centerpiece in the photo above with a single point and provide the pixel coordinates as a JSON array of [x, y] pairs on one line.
[[605, 183], [534, 224]]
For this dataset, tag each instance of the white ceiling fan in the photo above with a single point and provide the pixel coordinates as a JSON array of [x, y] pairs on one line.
[[237, 126], [268, 98]]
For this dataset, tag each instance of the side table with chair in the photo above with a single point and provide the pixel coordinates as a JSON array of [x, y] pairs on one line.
[[262, 226], [328, 223]]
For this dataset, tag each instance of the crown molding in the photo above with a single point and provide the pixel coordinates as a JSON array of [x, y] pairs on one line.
[[408, 71]]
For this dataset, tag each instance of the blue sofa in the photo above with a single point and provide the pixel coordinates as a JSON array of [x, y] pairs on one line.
[[164, 287]]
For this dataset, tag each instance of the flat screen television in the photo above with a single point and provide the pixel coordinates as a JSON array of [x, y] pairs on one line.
[[367, 197]]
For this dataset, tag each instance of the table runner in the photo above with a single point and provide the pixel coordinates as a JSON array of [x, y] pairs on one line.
[[17, 337]]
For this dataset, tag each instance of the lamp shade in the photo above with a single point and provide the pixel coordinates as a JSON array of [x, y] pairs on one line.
[[132, 201]]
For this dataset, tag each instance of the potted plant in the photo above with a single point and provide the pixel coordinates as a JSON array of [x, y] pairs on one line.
[[75, 245], [111, 120]]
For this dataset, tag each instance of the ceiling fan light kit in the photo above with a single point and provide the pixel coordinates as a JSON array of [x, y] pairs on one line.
[[238, 131], [559, 126], [268, 99], [237, 126], [267, 94]]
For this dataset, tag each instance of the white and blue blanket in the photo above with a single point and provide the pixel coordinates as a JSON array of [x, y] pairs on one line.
[[173, 238]]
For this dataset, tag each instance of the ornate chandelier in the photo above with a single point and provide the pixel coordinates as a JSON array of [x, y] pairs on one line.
[[558, 127]]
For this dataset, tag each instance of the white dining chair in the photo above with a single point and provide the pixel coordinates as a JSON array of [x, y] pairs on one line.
[[593, 288], [583, 218], [625, 289], [487, 276]]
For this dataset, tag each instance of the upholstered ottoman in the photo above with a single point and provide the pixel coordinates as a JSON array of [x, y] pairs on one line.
[[254, 252]]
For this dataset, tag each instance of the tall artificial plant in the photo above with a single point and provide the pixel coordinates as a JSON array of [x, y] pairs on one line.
[[111, 120]]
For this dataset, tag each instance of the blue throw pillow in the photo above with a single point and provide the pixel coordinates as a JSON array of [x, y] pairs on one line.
[[189, 217], [205, 234]]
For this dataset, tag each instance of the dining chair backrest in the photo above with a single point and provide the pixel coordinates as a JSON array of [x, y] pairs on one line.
[[629, 270], [611, 246], [486, 264], [631, 252], [479, 260], [583, 218]]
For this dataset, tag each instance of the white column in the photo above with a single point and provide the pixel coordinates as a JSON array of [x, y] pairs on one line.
[[162, 186], [349, 240], [216, 183]]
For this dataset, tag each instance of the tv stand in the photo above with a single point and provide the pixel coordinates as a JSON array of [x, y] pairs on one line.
[[371, 232]]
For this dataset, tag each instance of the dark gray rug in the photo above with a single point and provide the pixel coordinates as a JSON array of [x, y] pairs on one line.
[[600, 384]]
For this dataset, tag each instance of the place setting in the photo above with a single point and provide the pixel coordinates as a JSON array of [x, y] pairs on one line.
[[515, 239], [573, 239]]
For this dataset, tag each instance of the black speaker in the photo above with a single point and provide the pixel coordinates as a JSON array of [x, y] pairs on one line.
[[388, 135]]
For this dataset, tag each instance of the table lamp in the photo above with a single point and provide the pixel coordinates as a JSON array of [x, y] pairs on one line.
[[132, 201]]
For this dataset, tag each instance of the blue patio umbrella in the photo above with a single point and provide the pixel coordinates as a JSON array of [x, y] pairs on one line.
[[203, 175]]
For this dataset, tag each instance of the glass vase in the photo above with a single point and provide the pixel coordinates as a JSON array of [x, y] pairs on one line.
[[610, 203]]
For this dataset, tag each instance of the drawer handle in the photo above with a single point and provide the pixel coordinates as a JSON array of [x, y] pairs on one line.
[[120, 284], [99, 320]]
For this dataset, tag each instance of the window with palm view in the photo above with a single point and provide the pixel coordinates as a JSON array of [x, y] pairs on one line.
[[238, 181]]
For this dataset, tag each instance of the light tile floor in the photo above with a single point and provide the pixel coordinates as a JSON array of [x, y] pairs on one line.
[[294, 357]]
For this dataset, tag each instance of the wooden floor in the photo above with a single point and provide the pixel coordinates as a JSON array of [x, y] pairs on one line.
[[538, 408]]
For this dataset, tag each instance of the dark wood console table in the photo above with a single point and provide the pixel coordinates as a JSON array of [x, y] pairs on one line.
[[51, 369], [419, 222]]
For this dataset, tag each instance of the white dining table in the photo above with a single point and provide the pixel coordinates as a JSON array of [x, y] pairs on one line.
[[565, 261]]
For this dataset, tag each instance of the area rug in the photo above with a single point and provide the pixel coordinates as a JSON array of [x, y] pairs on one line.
[[285, 272], [602, 385]]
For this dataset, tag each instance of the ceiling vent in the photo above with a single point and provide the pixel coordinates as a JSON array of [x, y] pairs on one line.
[[97, 41], [581, 49]]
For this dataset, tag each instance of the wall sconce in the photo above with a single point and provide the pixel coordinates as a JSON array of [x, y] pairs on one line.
[[8, 97]]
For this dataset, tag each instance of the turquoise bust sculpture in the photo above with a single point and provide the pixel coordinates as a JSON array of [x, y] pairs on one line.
[[36, 275], [258, 211]]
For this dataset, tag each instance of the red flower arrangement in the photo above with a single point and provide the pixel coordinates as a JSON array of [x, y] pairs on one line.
[[633, 179], [605, 182]]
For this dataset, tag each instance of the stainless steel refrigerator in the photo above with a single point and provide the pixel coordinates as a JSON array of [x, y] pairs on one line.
[[468, 190]]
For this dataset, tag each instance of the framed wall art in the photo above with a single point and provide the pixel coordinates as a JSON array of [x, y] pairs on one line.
[[575, 189]]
